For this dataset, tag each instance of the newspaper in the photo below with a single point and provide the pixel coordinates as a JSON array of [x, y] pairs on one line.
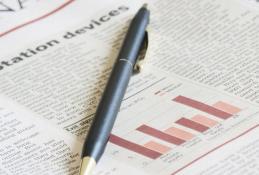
[[193, 109]]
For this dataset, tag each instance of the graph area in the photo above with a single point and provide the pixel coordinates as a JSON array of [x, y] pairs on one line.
[[167, 125], [175, 135]]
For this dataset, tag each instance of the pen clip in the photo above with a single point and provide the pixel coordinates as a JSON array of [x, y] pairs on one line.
[[141, 57]]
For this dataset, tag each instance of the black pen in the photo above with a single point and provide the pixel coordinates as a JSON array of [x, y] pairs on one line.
[[109, 105]]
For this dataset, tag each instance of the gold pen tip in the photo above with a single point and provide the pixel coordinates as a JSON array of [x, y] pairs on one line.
[[87, 166]]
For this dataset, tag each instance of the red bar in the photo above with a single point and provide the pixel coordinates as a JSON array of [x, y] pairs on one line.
[[134, 147], [192, 125], [160, 135], [202, 107]]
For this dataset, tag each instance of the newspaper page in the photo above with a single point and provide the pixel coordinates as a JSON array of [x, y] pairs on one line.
[[23, 22], [196, 98], [30, 145]]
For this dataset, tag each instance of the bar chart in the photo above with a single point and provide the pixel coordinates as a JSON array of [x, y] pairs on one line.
[[169, 124], [177, 136]]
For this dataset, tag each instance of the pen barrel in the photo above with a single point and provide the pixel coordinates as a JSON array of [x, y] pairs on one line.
[[116, 87], [107, 110]]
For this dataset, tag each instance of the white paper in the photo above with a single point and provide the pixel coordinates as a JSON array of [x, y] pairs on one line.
[[40, 19], [30, 145], [61, 79], [239, 156]]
